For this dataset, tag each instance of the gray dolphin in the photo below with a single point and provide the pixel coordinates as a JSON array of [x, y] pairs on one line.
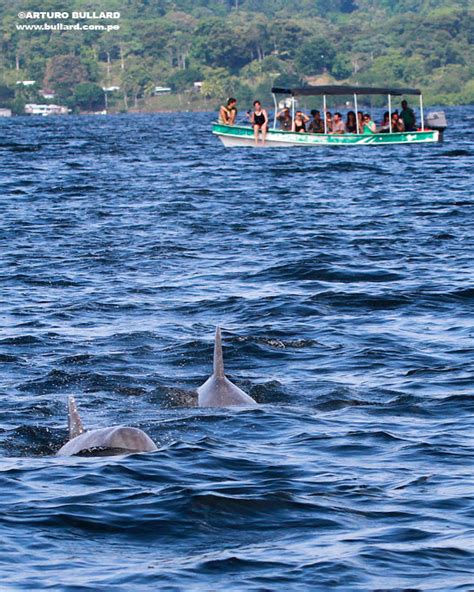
[[218, 391], [104, 441]]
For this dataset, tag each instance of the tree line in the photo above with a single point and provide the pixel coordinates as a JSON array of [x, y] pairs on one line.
[[240, 48]]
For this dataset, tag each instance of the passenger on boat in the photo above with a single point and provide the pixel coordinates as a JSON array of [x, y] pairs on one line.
[[299, 124], [338, 126], [369, 125], [408, 117], [351, 123], [385, 125], [259, 120], [397, 123], [316, 125], [329, 122], [284, 117], [360, 117], [228, 112]]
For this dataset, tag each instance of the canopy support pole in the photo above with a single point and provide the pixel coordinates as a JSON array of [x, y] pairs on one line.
[[292, 109], [324, 109], [421, 114], [390, 112], [276, 109], [356, 109]]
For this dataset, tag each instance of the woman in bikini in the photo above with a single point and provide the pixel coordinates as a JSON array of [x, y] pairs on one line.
[[259, 120], [228, 112], [299, 124]]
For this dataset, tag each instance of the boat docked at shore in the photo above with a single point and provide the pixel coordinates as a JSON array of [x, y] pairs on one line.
[[243, 135]]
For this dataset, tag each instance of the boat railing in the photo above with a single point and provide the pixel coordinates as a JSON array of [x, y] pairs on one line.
[[325, 91]]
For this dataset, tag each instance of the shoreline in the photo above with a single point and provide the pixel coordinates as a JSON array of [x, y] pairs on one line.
[[158, 111]]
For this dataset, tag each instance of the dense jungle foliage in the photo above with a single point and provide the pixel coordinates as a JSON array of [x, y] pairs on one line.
[[236, 47]]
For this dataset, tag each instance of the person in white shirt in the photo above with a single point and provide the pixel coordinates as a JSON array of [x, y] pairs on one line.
[[338, 125]]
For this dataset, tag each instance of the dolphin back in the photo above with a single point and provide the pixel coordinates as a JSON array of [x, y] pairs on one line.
[[114, 440], [218, 390], [221, 392]]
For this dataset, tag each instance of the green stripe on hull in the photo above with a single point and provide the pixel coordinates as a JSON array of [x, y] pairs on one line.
[[245, 134]]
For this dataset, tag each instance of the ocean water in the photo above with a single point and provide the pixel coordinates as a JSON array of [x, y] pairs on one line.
[[342, 279]]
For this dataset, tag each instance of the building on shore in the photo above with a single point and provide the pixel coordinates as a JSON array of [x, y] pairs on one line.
[[47, 93], [161, 90], [43, 109]]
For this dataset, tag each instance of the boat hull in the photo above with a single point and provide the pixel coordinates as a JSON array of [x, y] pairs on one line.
[[233, 136]]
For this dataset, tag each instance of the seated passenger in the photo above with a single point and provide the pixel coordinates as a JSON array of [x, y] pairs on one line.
[[369, 125], [316, 125], [397, 123], [299, 124], [329, 122], [338, 126], [351, 123], [408, 117], [285, 120], [385, 124], [228, 112], [259, 120], [360, 117]]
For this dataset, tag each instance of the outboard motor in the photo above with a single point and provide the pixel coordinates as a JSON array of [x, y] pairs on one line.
[[436, 120]]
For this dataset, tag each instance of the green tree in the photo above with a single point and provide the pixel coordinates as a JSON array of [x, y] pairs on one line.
[[178, 49], [217, 85], [288, 80], [217, 44], [182, 80], [18, 105], [154, 36], [286, 35], [389, 67], [89, 96], [315, 56], [341, 67], [425, 43], [63, 73], [6, 94], [134, 81]]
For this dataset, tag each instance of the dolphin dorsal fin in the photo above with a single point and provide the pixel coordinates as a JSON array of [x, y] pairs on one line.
[[74, 421], [218, 357]]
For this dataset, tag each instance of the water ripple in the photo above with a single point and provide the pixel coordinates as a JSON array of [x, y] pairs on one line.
[[343, 284]]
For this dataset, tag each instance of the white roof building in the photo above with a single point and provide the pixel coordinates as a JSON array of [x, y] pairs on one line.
[[39, 109]]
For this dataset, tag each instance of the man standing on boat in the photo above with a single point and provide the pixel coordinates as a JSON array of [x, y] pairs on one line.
[[408, 117]]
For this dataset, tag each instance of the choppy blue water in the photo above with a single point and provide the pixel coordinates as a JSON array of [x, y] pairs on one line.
[[343, 280]]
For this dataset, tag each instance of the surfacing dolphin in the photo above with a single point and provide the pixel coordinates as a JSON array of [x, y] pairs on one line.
[[104, 441], [218, 391]]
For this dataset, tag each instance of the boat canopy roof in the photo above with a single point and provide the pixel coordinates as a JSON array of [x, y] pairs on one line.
[[344, 90]]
